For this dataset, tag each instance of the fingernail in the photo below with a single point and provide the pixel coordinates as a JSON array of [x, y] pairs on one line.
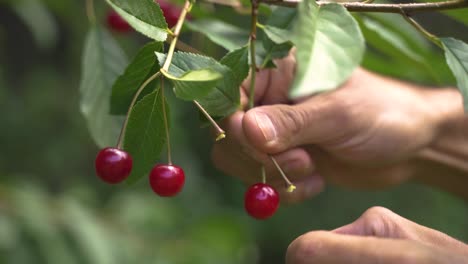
[[266, 126]]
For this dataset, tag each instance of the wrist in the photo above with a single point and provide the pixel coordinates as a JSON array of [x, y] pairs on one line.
[[444, 162], [447, 112]]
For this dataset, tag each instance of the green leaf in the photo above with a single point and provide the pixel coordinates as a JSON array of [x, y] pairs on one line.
[[277, 35], [143, 15], [282, 17], [396, 24], [137, 72], [195, 84], [145, 134], [238, 62], [103, 61], [227, 36], [392, 38], [329, 45], [277, 40], [224, 98], [267, 51], [456, 54], [280, 24], [408, 54]]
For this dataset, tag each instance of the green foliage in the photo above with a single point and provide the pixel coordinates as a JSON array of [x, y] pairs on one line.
[[456, 53], [227, 36], [194, 84], [225, 97], [140, 69], [143, 15], [103, 61], [401, 45], [329, 45], [238, 62], [144, 136], [280, 24]]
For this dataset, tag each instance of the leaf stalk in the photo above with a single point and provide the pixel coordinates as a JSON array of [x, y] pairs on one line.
[[135, 97]]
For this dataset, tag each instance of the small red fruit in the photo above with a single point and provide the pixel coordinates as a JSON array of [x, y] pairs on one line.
[[261, 201], [117, 23], [113, 165], [171, 12], [167, 180]]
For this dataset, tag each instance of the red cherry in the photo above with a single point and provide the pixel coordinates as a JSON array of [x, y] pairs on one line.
[[167, 180], [171, 12], [113, 165], [261, 201], [117, 23]]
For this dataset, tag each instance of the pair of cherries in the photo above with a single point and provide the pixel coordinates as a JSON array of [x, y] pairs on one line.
[[114, 165]]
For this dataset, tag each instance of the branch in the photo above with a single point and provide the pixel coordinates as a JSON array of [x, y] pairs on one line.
[[384, 8]]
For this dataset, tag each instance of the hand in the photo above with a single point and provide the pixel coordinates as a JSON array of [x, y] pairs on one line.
[[361, 135], [378, 236]]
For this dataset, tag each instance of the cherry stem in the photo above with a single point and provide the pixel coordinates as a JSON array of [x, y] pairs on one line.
[[178, 27], [253, 73], [166, 124], [135, 97], [263, 174], [220, 133], [90, 13], [291, 186]]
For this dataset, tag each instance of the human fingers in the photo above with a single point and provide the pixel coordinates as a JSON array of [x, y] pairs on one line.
[[321, 247], [381, 222], [272, 85], [237, 158], [275, 128]]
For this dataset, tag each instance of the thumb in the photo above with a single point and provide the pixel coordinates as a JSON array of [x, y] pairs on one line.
[[276, 128]]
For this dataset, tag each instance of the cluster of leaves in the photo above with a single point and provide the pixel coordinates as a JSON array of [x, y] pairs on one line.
[[329, 44]]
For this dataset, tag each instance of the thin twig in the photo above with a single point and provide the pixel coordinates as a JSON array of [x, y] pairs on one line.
[[420, 28], [408, 8], [180, 45], [177, 29], [253, 63]]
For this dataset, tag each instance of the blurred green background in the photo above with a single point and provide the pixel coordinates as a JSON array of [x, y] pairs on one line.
[[54, 210]]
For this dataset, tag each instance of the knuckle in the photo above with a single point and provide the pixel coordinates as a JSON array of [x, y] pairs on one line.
[[378, 221], [377, 211]]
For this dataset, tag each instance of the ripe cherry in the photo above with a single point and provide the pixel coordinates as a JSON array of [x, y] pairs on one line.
[[171, 12], [261, 201], [113, 165], [167, 180], [117, 23]]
